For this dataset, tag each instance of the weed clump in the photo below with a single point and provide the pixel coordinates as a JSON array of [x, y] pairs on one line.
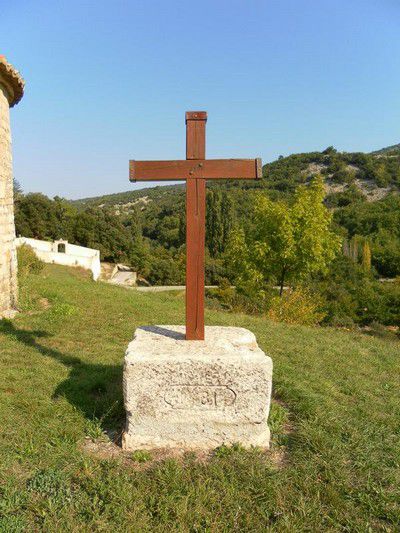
[[28, 262]]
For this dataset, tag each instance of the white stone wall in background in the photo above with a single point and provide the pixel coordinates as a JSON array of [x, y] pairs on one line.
[[87, 258]]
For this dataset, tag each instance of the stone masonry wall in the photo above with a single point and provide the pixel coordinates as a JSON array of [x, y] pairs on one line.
[[8, 262]]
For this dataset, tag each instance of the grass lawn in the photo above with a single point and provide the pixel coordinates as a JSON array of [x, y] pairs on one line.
[[334, 463]]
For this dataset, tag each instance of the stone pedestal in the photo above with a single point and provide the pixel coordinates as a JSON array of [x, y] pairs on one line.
[[196, 394]]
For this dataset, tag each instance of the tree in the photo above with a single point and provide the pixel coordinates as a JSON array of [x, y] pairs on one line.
[[65, 214], [214, 224], [346, 248], [219, 221], [17, 188], [386, 253], [182, 226], [366, 256], [288, 243], [330, 150], [36, 216], [227, 215], [238, 262], [354, 248]]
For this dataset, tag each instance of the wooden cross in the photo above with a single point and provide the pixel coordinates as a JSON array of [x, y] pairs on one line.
[[195, 170]]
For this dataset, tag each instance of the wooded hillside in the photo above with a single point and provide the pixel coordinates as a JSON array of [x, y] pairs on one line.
[[146, 228]]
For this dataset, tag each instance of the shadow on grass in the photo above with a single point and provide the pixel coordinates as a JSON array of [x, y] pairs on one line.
[[94, 389]]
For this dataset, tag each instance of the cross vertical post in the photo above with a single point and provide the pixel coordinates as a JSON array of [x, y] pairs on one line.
[[195, 170], [195, 227]]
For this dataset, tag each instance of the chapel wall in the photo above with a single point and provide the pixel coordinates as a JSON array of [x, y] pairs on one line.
[[8, 260]]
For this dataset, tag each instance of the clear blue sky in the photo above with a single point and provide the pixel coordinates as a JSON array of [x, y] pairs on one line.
[[109, 81]]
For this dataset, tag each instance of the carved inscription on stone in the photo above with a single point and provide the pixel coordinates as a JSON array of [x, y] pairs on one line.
[[199, 396]]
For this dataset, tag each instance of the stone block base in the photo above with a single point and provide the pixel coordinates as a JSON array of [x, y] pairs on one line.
[[196, 394]]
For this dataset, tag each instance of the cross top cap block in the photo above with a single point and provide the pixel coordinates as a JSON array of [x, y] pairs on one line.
[[195, 115], [12, 81]]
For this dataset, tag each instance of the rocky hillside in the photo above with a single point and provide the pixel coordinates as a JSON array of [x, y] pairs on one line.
[[349, 177]]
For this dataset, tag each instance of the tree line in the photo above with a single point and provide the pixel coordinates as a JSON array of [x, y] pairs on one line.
[[152, 242]]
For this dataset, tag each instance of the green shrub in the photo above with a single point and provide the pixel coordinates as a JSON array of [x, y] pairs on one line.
[[28, 261], [299, 306], [353, 296], [239, 301], [352, 195]]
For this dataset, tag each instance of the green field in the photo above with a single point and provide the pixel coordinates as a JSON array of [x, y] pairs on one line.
[[334, 463]]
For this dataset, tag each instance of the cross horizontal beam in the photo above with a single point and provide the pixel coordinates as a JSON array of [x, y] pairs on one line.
[[197, 168]]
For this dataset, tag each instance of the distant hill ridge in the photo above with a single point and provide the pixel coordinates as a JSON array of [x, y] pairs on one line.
[[393, 148], [349, 176]]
